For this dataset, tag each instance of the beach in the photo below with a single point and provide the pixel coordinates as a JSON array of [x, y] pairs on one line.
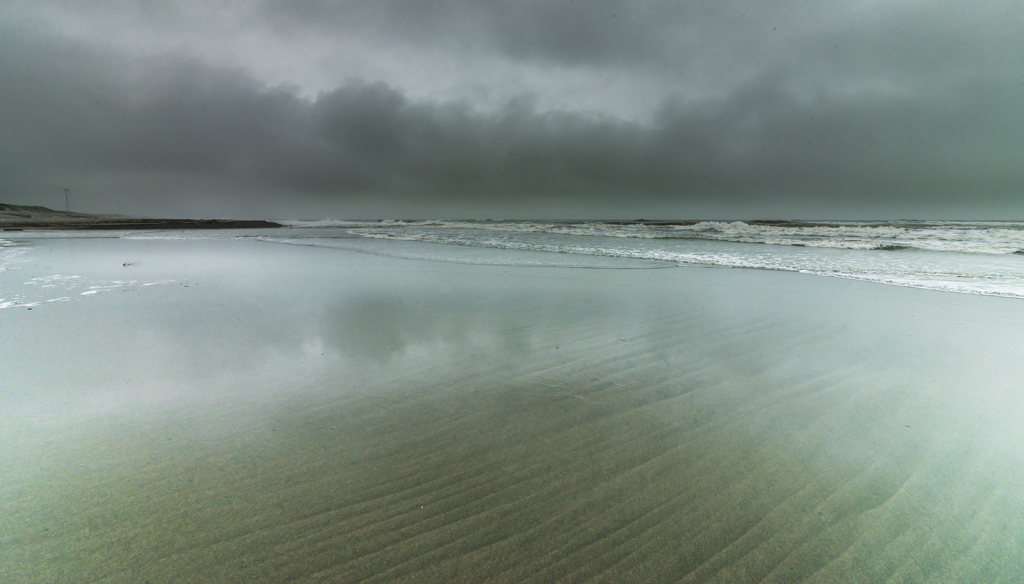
[[237, 411]]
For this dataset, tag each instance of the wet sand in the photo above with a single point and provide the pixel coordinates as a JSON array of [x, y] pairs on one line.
[[302, 414]]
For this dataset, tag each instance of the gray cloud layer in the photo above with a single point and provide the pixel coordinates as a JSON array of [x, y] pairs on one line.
[[834, 114]]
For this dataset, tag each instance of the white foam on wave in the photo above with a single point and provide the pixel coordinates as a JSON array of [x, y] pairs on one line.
[[991, 280], [963, 237], [969, 237]]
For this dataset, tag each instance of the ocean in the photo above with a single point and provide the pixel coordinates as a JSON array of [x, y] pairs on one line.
[[968, 257], [952, 256]]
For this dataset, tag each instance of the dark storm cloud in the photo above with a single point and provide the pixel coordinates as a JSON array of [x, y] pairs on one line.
[[821, 40], [891, 109], [570, 31]]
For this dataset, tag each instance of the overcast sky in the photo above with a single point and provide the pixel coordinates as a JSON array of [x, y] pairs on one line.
[[514, 108]]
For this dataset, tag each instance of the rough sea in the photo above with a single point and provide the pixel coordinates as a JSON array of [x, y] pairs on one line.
[[967, 257], [971, 257]]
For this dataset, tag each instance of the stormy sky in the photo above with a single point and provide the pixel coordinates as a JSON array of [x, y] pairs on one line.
[[514, 108]]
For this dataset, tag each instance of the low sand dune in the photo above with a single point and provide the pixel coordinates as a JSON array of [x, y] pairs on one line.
[[20, 218]]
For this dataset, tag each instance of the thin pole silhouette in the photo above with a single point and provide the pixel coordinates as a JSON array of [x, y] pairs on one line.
[[67, 196]]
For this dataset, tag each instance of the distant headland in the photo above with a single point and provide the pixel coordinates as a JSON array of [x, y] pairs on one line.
[[24, 218]]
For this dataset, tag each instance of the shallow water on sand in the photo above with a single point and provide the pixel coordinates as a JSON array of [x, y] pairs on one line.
[[274, 412]]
